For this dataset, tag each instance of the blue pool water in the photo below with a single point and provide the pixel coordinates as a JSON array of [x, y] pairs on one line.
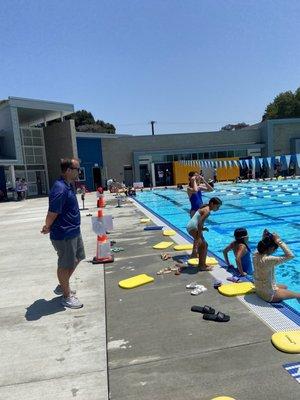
[[255, 206]]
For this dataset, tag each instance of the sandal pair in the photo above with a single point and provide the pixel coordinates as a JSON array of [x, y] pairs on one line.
[[165, 256], [196, 288], [234, 279], [219, 317], [167, 270], [117, 249], [210, 315]]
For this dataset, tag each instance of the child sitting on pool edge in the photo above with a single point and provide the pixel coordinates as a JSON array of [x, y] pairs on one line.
[[264, 265], [241, 251]]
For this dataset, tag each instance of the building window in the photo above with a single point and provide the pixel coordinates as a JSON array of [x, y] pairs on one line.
[[222, 154], [28, 151], [33, 146], [36, 133], [29, 159], [38, 159], [38, 151], [168, 158], [27, 141], [240, 153], [157, 157], [37, 141]]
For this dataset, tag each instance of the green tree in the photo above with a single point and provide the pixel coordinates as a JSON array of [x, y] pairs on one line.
[[85, 122], [285, 105], [82, 117]]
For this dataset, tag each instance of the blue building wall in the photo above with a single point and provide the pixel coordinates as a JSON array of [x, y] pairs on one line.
[[90, 153]]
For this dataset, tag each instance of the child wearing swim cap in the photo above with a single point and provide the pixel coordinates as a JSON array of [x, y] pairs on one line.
[[241, 252]]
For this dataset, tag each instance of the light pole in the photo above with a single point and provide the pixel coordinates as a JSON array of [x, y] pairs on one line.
[[152, 126]]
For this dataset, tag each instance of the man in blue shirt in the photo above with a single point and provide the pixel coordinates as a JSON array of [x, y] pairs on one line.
[[63, 224]]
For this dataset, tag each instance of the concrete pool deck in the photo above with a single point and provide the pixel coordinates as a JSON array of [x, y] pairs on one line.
[[157, 348], [48, 352]]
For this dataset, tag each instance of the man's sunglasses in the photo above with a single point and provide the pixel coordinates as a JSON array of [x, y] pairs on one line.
[[78, 169]]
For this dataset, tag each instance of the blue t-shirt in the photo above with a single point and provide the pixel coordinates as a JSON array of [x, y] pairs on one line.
[[63, 201]]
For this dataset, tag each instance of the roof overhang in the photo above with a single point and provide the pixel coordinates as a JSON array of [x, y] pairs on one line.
[[101, 135], [33, 112]]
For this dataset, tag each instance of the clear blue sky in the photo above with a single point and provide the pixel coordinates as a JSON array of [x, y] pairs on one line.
[[190, 65]]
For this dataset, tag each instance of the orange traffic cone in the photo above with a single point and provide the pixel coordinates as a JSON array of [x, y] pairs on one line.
[[106, 220], [101, 201], [103, 254]]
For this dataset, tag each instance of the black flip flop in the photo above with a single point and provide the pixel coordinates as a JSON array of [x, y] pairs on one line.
[[219, 317], [203, 310], [217, 284]]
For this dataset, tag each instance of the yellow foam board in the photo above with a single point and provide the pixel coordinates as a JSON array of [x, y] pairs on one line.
[[209, 261], [162, 245], [135, 281], [169, 232], [288, 342], [180, 247], [236, 289], [223, 398]]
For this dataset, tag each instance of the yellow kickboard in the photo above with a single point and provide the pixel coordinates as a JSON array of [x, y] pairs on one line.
[[236, 289], [209, 261], [162, 245], [169, 232], [135, 281], [223, 398], [144, 220], [180, 247], [288, 341]]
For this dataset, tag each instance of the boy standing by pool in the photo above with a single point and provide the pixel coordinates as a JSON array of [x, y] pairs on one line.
[[195, 228]]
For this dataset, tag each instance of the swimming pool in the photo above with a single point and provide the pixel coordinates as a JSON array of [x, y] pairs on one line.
[[274, 205]]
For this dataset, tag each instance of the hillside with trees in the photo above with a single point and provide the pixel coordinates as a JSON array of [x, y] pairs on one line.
[[234, 127]]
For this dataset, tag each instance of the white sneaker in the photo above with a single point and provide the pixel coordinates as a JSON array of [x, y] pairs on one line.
[[192, 285], [71, 302], [198, 290], [59, 292]]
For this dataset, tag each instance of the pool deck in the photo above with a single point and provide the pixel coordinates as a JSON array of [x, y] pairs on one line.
[[157, 348]]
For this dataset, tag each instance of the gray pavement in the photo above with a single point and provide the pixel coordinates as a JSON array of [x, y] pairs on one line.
[[157, 348], [47, 351]]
